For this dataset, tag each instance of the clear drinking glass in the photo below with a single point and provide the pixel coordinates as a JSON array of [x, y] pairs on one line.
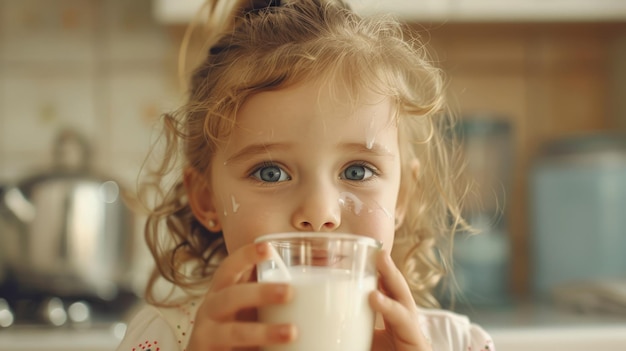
[[332, 275]]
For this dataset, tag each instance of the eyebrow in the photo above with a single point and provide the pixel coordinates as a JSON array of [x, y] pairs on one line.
[[256, 149], [264, 149], [374, 149]]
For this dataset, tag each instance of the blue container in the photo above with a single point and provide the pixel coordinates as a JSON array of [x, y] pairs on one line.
[[578, 212], [482, 260]]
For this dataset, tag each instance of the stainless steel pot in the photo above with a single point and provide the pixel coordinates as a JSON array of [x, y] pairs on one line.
[[67, 231]]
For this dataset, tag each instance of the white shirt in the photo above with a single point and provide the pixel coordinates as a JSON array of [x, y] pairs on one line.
[[168, 329]]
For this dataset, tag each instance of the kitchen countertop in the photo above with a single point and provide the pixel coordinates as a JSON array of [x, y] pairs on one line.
[[514, 327], [525, 314], [102, 337], [545, 326]]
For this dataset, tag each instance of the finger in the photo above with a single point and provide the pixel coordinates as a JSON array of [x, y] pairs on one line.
[[398, 318], [240, 334], [392, 280], [237, 266], [224, 304], [393, 312]]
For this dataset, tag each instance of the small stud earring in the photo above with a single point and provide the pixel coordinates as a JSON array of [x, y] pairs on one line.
[[212, 224]]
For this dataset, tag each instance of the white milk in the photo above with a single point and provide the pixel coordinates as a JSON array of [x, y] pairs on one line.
[[330, 310]]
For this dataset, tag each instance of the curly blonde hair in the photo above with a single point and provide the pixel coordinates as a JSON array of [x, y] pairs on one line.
[[271, 46]]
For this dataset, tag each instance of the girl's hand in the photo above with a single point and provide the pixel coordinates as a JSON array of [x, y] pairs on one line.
[[397, 307], [226, 318]]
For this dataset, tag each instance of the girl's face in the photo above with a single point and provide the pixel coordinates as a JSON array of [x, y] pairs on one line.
[[301, 160]]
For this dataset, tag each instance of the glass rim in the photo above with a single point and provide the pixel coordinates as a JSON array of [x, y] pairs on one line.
[[361, 239]]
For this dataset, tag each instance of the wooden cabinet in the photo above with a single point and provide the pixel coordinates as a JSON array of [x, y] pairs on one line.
[[549, 80], [180, 11]]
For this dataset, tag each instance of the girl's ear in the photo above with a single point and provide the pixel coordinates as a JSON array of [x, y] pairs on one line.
[[201, 200], [404, 196]]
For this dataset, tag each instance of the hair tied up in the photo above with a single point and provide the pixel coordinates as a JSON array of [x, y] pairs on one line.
[[256, 5], [253, 7]]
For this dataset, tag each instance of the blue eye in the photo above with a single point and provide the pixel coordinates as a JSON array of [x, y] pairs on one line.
[[271, 174], [357, 172]]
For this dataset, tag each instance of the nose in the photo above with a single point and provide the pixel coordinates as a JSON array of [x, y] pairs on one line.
[[318, 209]]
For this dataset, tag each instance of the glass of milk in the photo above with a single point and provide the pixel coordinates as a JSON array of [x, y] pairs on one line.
[[332, 275]]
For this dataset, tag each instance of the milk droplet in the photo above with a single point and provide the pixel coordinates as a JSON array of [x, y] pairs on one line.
[[350, 202], [386, 212], [235, 204], [371, 136]]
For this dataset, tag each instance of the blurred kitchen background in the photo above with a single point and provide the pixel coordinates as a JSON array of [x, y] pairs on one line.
[[540, 89]]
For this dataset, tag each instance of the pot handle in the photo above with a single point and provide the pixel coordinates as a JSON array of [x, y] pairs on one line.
[[71, 151], [15, 201]]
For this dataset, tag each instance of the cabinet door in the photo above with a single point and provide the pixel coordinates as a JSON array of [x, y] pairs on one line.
[[537, 10], [175, 11], [180, 11]]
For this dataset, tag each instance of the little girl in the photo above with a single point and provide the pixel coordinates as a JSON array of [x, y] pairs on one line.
[[302, 117]]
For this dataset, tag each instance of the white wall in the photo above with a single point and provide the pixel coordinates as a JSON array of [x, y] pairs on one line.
[[103, 68], [97, 66]]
